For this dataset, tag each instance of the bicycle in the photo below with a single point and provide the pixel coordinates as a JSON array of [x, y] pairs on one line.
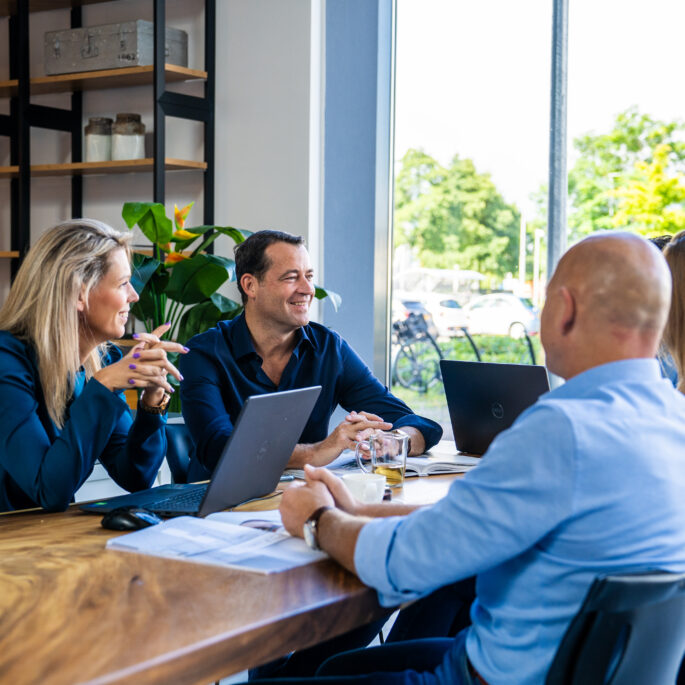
[[416, 360]]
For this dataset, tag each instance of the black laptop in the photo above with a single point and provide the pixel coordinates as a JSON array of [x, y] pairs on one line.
[[485, 398], [265, 434]]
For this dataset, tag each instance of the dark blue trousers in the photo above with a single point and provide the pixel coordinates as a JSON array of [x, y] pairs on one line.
[[443, 613], [400, 663]]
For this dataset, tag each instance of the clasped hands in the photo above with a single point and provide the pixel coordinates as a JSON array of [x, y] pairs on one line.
[[145, 366], [356, 427], [321, 488]]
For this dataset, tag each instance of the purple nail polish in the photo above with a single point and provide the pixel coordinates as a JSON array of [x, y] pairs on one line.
[[171, 391], [180, 376], [186, 349], [135, 336], [168, 323], [131, 381], [131, 366], [136, 355]]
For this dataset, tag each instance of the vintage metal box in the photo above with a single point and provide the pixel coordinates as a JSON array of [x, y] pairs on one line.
[[128, 44]]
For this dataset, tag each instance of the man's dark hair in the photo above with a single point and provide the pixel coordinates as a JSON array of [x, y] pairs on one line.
[[250, 255], [661, 241]]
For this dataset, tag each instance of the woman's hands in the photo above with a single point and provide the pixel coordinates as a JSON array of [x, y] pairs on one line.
[[145, 366]]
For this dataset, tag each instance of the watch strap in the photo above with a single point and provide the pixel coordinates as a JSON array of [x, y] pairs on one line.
[[161, 408], [313, 523]]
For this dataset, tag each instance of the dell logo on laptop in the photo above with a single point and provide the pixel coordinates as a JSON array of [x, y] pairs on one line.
[[497, 410]]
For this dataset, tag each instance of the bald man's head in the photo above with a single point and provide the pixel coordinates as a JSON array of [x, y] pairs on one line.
[[617, 288]]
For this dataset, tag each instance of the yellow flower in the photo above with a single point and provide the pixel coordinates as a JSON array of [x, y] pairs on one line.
[[184, 235], [175, 257], [180, 215]]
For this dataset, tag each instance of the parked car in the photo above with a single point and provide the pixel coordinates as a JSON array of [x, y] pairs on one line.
[[448, 314], [501, 314]]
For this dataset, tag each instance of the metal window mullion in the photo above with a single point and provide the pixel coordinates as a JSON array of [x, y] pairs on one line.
[[558, 178]]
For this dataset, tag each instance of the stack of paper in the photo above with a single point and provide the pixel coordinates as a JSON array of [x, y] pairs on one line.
[[250, 540]]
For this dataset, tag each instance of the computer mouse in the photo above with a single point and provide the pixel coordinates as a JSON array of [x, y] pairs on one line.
[[129, 518]]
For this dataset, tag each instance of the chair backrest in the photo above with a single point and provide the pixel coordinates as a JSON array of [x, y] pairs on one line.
[[179, 445], [630, 629]]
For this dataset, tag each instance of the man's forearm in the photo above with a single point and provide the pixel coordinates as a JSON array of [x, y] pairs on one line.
[[338, 533], [384, 509], [316, 454]]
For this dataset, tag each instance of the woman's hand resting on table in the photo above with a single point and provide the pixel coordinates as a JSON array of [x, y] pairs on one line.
[[145, 366]]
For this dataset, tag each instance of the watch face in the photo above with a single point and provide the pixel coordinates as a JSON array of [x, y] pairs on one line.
[[309, 535]]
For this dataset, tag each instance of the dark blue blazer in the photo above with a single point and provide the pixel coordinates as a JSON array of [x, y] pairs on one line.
[[43, 466]]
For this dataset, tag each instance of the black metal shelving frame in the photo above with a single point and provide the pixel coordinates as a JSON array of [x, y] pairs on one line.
[[24, 115]]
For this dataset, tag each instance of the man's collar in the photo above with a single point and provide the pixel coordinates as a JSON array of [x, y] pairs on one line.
[[622, 370], [241, 341], [239, 334]]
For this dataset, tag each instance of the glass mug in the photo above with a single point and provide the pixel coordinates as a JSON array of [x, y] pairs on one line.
[[388, 451]]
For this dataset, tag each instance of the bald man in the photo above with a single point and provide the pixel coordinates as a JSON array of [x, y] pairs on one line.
[[589, 480]]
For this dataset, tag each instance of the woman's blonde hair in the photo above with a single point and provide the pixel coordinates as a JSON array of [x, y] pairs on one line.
[[68, 261], [674, 334]]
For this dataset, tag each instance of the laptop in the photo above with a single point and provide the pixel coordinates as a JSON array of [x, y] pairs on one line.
[[265, 434], [485, 398]]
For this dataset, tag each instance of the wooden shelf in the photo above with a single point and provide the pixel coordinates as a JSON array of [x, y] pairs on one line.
[[9, 255], [9, 171], [102, 79], [91, 168], [8, 88]]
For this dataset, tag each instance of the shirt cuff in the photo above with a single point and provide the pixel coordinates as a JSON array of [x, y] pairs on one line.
[[431, 431], [371, 555]]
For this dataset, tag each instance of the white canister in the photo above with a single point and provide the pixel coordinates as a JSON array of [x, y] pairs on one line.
[[128, 137], [98, 137]]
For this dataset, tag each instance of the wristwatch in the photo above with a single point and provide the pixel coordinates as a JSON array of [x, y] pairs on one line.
[[161, 408], [310, 528]]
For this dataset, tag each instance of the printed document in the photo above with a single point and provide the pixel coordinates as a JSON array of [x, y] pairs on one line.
[[248, 540]]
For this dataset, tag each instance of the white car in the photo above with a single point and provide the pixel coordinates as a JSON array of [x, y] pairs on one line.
[[501, 314], [448, 315]]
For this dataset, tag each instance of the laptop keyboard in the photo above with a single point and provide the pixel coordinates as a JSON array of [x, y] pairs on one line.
[[187, 500]]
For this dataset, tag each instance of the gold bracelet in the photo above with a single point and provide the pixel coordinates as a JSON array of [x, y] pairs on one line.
[[161, 408]]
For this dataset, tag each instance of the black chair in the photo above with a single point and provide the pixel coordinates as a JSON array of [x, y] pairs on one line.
[[630, 630], [179, 446]]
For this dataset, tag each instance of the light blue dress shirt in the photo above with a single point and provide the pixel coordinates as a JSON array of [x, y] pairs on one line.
[[589, 480]]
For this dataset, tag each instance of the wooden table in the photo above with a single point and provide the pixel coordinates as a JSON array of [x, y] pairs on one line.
[[73, 612]]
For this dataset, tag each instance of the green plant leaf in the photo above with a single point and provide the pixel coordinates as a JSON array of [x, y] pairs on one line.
[[238, 234], [180, 244], [321, 293], [206, 314], [197, 278], [151, 218], [133, 212], [149, 306], [141, 270], [229, 309]]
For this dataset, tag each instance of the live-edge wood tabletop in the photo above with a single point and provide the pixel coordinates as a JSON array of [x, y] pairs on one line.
[[73, 612]]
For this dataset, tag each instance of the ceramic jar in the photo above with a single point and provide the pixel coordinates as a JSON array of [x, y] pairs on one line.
[[128, 137]]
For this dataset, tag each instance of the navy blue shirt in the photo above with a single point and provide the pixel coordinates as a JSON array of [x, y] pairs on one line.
[[43, 466], [222, 370]]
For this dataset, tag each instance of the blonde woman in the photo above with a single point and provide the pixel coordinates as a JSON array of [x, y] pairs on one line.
[[674, 334], [61, 383]]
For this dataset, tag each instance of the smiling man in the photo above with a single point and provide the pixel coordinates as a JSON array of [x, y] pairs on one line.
[[273, 346]]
